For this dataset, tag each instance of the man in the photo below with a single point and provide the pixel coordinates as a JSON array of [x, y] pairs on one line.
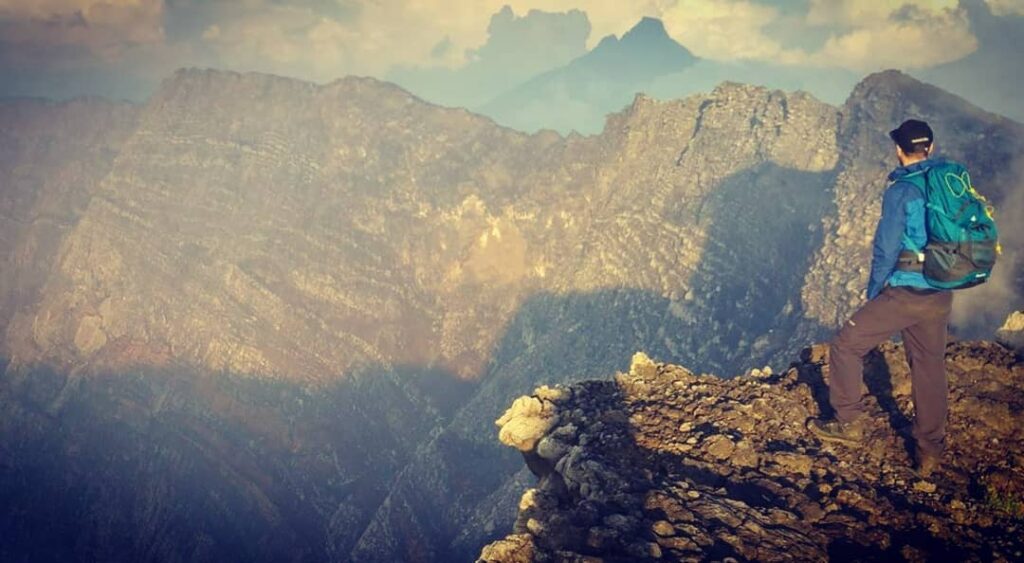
[[899, 299]]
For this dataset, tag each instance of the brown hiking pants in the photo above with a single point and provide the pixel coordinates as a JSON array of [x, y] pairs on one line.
[[921, 317]]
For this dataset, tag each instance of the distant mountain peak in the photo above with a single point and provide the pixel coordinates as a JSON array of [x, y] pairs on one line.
[[645, 44], [603, 80], [648, 35], [889, 77], [647, 27]]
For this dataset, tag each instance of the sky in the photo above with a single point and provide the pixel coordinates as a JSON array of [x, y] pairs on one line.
[[123, 48]]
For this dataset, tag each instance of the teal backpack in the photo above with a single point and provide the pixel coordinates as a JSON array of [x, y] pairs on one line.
[[962, 237]]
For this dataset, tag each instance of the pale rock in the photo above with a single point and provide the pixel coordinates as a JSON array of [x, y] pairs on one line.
[[526, 422], [663, 528], [795, 463], [925, 487], [642, 366], [553, 394], [516, 548], [720, 447], [1011, 334]]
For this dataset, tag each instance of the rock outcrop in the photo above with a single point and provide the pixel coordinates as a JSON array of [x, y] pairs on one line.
[[663, 464], [1011, 334]]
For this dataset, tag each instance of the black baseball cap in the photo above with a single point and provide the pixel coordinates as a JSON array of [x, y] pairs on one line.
[[910, 133]]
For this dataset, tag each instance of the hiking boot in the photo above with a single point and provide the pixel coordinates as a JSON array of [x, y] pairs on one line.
[[925, 464], [833, 430]]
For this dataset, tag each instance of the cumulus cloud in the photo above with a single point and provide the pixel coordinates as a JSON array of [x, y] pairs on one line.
[[723, 29], [294, 39], [860, 36], [30, 32], [1006, 7], [883, 35], [322, 40], [300, 38], [859, 13], [517, 49]]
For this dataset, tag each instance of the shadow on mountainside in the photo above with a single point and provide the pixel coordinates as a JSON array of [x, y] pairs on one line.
[[173, 464], [390, 464], [765, 224], [449, 487], [396, 463]]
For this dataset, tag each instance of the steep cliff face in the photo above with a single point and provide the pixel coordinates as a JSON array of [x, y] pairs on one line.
[[270, 227], [52, 159], [174, 465], [662, 464], [651, 266], [267, 226]]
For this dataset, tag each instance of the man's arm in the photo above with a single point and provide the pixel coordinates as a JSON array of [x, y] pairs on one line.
[[888, 237]]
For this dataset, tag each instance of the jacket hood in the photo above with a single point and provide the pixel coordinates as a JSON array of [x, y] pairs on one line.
[[903, 171]]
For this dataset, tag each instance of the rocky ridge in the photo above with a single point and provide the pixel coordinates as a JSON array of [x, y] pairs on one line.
[[663, 464], [307, 230]]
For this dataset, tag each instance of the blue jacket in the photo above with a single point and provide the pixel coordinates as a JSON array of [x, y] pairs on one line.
[[902, 213]]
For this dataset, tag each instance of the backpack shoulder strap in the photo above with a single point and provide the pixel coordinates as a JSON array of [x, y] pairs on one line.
[[918, 180]]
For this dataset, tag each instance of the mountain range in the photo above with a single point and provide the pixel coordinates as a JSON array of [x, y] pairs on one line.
[[257, 317], [570, 90]]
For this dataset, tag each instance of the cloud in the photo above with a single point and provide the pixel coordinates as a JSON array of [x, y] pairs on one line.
[[517, 49], [103, 28], [1006, 7], [301, 38], [322, 40], [881, 35], [723, 30], [865, 14], [860, 36]]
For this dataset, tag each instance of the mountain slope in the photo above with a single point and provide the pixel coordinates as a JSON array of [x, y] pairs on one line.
[[52, 159]]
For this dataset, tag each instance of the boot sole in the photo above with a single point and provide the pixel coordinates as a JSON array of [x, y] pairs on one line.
[[833, 438]]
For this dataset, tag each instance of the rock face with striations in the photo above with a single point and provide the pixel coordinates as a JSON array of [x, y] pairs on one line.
[[270, 227], [662, 464], [313, 298], [52, 160]]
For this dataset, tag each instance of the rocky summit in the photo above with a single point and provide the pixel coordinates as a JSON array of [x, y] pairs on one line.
[[663, 464]]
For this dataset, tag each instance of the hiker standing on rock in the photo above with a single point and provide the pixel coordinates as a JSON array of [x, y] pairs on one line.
[[900, 299]]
